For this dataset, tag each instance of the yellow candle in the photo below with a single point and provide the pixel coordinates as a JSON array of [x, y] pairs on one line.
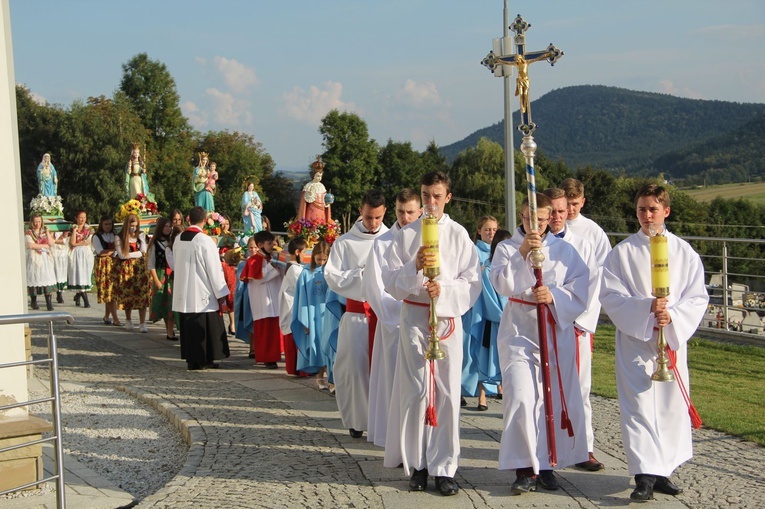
[[659, 265], [430, 239]]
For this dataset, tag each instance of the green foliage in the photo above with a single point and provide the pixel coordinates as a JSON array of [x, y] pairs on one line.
[[352, 166], [401, 166]]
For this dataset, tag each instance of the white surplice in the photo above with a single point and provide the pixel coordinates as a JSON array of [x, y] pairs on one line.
[[409, 440], [524, 439], [287, 297], [656, 427], [343, 273], [388, 311]]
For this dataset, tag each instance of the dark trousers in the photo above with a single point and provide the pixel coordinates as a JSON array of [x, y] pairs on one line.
[[203, 338]]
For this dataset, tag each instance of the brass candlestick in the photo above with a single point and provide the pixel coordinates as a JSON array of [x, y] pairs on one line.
[[660, 288]]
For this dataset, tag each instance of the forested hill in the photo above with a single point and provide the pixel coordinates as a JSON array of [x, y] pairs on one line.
[[616, 128]]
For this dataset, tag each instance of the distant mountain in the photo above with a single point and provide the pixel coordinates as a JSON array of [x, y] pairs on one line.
[[617, 129]]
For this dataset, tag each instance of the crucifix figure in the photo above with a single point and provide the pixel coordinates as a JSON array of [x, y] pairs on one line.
[[521, 59]]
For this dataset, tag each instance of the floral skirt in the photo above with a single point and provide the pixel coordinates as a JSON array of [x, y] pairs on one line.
[[131, 284], [162, 300], [105, 278]]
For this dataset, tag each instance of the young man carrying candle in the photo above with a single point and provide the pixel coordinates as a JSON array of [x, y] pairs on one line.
[[426, 449], [656, 427]]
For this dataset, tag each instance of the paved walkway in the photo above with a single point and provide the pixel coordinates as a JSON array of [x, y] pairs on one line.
[[260, 438]]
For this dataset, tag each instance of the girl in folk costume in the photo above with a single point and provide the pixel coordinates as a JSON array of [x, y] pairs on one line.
[[80, 259], [103, 244], [161, 277], [308, 315], [41, 277], [231, 258], [132, 278], [60, 250]]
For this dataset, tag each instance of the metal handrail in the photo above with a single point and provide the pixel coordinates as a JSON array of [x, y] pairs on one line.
[[728, 278], [55, 399]]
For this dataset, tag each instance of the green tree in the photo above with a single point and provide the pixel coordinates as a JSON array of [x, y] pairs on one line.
[[351, 159], [93, 156], [150, 89], [401, 166], [40, 130]]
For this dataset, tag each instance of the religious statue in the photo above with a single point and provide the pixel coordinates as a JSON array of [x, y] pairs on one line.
[[522, 81], [135, 174], [47, 179], [202, 192], [312, 203], [252, 209]]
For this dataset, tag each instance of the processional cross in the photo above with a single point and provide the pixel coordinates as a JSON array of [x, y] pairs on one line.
[[521, 59]]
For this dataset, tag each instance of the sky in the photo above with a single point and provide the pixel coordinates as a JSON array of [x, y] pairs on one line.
[[410, 68]]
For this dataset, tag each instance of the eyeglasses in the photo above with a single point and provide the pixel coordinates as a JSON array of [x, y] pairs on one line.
[[539, 219]]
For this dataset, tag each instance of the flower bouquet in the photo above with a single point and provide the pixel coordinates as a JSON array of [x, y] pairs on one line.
[[47, 205], [148, 207], [212, 225], [127, 208], [313, 230]]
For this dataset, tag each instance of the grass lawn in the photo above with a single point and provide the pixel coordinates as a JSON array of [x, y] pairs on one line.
[[727, 383], [754, 191]]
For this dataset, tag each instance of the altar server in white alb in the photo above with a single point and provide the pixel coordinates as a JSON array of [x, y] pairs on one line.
[[656, 417], [343, 273], [424, 449], [199, 292], [565, 289], [586, 323], [388, 311], [584, 226]]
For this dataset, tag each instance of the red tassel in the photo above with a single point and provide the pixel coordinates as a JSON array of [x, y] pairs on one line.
[[695, 417], [430, 411]]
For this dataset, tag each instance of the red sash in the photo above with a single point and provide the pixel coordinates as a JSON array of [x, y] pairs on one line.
[[253, 269], [355, 306]]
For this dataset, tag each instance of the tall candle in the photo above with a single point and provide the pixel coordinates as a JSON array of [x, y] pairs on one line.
[[430, 241], [659, 266]]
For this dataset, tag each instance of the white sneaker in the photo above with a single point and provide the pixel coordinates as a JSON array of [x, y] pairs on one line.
[[129, 325], [143, 328]]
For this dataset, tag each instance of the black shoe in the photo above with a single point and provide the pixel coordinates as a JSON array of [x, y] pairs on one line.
[[33, 302], [271, 365], [77, 299], [251, 355], [172, 338], [482, 408], [643, 488], [463, 401], [547, 480], [85, 302], [523, 485], [193, 366], [447, 486], [59, 298], [49, 302], [419, 480], [355, 433], [212, 365], [664, 485]]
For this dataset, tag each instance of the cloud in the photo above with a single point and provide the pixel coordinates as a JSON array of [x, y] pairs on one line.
[[418, 95], [237, 76], [191, 111], [228, 110], [39, 99], [312, 105], [667, 87], [732, 32]]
